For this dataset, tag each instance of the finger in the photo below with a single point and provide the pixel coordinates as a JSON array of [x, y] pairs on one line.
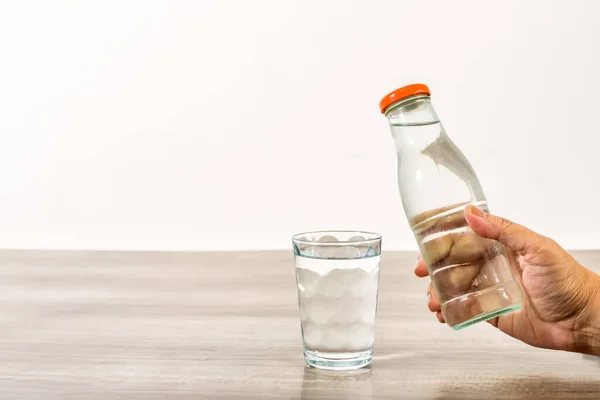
[[493, 322], [513, 260], [433, 303], [440, 317], [514, 236], [421, 269]]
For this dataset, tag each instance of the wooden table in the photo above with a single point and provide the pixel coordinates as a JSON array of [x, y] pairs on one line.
[[109, 325]]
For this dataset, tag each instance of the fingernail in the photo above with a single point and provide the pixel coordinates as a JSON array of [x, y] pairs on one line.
[[475, 211], [428, 297]]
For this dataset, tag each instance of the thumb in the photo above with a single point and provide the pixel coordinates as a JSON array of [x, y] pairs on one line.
[[513, 236]]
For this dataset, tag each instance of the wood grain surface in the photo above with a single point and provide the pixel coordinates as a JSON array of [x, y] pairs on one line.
[[110, 325]]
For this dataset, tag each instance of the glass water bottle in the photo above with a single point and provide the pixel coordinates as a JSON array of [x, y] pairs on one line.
[[471, 275]]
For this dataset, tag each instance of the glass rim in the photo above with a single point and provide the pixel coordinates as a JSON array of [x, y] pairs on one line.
[[372, 238]]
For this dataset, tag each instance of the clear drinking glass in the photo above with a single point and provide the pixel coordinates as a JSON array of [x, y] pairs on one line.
[[472, 276], [337, 273]]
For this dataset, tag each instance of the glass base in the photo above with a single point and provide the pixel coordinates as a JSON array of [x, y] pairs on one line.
[[481, 305], [338, 361], [486, 316]]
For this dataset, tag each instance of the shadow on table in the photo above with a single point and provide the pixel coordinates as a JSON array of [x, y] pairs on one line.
[[321, 384], [521, 388]]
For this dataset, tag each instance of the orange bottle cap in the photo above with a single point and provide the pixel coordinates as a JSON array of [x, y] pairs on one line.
[[402, 93]]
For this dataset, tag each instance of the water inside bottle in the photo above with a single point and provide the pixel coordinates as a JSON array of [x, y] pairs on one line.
[[472, 275]]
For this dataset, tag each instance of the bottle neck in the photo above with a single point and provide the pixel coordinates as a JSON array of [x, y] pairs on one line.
[[413, 122], [413, 110]]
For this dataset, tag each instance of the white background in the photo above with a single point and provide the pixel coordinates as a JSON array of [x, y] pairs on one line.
[[199, 125]]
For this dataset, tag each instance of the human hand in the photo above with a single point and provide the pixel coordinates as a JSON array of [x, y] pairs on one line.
[[561, 304]]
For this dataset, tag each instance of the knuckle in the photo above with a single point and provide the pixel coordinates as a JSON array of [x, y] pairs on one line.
[[549, 242]]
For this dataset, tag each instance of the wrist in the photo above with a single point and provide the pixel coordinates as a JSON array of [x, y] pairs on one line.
[[587, 334]]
